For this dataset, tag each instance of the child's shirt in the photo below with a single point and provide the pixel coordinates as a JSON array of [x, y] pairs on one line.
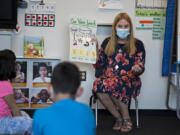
[[64, 117], [5, 90]]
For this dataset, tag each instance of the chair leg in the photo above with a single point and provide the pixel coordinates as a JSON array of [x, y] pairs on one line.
[[137, 113], [96, 112]]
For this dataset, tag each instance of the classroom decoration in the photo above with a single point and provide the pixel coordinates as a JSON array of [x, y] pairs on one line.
[[150, 15], [33, 47], [81, 33], [110, 4], [32, 87], [45, 8], [40, 20]]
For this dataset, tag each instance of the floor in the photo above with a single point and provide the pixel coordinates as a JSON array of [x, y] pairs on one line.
[[161, 122], [152, 122]]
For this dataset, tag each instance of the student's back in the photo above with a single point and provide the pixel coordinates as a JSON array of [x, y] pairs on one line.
[[65, 117]]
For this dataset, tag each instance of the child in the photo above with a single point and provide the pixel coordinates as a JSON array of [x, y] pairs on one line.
[[43, 97], [65, 116], [19, 96], [12, 120], [19, 75], [42, 74]]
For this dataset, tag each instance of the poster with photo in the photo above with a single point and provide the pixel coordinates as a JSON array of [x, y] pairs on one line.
[[40, 98], [21, 74], [82, 49], [21, 96], [42, 72], [33, 47]]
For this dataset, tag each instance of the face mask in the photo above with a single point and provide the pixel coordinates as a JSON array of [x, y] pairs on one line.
[[122, 33]]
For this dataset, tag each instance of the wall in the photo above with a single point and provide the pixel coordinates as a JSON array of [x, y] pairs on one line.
[[178, 18], [5, 40], [178, 31], [153, 93]]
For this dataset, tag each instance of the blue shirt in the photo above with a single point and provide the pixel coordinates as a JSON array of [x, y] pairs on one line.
[[65, 117]]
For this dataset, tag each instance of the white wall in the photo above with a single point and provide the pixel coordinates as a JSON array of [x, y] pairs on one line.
[[153, 92], [5, 40]]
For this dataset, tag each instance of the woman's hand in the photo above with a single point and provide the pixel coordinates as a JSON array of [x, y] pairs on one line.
[[97, 47], [136, 70]]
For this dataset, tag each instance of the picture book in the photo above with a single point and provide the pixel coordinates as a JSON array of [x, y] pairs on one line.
[[33, 47]]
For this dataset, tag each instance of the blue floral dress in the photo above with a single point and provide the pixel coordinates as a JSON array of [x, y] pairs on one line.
[[113, 73]]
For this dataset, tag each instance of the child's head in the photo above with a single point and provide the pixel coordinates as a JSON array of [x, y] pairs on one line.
[[42, 69], [44, 95], [7, 65], [18, 67], [65, 78]]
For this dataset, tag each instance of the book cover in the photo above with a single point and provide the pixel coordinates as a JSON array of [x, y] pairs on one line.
[[33, 47]]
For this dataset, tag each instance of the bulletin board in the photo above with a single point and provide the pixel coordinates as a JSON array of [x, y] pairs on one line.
[[32, 83]]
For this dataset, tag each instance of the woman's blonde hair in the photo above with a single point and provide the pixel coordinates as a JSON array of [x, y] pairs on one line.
[[130, 45]]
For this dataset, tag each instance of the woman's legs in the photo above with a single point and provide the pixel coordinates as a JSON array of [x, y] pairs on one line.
[[108, 104], [127, 124], [111, 107], [123, 108]]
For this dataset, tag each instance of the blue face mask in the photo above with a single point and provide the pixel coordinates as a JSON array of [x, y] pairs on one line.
[[122, 33]]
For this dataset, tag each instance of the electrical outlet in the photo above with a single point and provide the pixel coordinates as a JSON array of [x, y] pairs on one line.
[[83, 75]]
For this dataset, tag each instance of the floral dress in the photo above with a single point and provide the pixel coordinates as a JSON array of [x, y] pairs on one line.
[[113, 73]]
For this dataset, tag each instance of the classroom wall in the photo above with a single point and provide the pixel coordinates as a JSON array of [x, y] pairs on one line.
[[178, 18], [154, 86]]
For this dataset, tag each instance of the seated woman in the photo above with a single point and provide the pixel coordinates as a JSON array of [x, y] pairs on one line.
[[121, 60]]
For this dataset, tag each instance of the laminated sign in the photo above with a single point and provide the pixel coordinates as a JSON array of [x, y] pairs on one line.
[[81, 47]]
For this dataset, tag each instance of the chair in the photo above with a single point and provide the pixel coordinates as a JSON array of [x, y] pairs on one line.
[[94, 100]]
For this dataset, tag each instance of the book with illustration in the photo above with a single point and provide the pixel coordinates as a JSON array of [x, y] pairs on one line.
[[33, 47]]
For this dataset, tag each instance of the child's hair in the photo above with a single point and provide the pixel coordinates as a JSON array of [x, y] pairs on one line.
[[7, 65], [65, 78], [42, 64]]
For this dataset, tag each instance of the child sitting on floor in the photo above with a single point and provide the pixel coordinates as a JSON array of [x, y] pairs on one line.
[[66, 116], [12, 121]]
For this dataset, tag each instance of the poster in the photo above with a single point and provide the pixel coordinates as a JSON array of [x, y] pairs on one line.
[[81, 33], [150, 15], [40, 97], [110, 4], [33, 47], [42, 72], [21, 96], [21, 74]]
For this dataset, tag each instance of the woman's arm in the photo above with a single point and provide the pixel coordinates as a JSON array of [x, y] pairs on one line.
[[139, 64], [12, 105], [101, 59]]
